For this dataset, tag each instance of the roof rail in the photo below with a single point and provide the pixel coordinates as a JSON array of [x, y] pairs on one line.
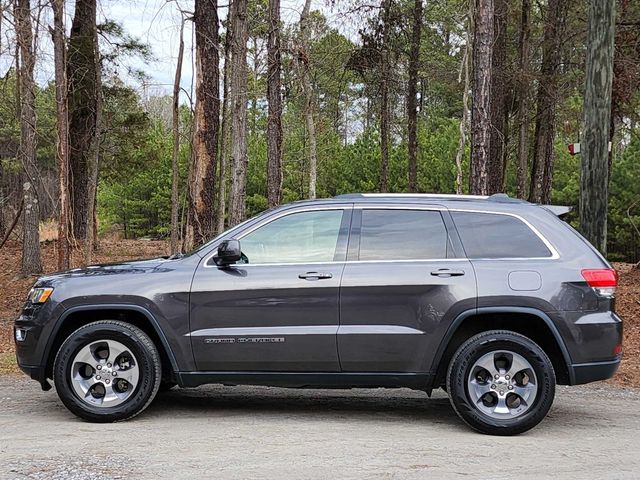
[[498, 197], [412, 195]]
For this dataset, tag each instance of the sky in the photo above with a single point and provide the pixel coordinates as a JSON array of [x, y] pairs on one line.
[[157, 23]]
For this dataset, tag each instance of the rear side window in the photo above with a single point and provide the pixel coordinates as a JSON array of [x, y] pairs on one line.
[[488, 235], [402, 235]]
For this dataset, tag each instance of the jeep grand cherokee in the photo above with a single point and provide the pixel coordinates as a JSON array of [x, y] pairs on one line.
[[493, 299]]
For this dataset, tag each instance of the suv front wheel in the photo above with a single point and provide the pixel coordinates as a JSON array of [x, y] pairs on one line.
[[107, 371], [501, 383]]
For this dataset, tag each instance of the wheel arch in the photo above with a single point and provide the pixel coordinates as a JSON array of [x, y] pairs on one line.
[[78, 316], [530, 322]]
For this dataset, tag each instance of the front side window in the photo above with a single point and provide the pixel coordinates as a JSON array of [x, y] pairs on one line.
[[296, 238], [402, 235], [490, 235]]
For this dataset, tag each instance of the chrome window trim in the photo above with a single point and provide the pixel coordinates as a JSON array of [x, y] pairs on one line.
[[346, 262], [554, 253]]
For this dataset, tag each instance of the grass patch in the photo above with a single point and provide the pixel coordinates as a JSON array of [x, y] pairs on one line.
[[8, 365]]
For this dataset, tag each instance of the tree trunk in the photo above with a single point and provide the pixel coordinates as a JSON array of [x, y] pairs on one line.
[[31, 261], [543, 152], [522, 94], [274, 96], [225, 139], [238, 92], [495, 167], [62, 122], [412, 100], [175, 174], [304, 60], [464, 121], [481, 109], [384, 98], [201, 223], [91, 242], [82, 75], [594, 192]]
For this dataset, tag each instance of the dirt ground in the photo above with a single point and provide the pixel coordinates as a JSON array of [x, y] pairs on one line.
[[253, 432], [15, 288]]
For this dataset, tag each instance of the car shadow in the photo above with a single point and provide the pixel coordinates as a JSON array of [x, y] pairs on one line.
[[398, 404]]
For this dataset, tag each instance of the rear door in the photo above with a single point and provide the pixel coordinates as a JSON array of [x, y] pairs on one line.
[[405, 280]]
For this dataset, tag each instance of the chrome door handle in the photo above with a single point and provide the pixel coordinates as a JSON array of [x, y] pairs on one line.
[[314, 276], [447, 272]]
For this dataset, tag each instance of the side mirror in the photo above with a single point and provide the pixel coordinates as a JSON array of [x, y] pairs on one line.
[[228, 253]]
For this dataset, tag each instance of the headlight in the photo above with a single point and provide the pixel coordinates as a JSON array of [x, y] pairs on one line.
[[40, 295]]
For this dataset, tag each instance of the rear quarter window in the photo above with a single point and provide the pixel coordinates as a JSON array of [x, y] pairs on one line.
[[490, 235]]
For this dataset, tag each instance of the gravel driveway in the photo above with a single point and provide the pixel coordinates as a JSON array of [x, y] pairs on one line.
[[254, 432]]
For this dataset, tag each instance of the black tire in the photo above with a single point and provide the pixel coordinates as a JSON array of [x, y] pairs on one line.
[[139, 344], [460, 369]]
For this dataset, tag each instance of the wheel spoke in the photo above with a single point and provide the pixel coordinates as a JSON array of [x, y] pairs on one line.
[[488, 363], [501, 406], [518, 364], [85, 355], [109, 394], [115, 350], [479, 389], [525, 392], [130, 374], [85, 384]]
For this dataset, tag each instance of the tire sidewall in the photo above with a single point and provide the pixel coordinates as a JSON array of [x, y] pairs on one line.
[[463, 362], [145, 354]]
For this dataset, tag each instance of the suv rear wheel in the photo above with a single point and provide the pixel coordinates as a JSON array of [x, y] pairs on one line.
[[107, 371], [501, 383]]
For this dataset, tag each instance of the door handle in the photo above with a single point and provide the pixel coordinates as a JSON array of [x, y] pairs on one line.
[[314, 276], [447, 272]]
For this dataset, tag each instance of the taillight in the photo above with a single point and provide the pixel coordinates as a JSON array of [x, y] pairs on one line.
[[603, 280]]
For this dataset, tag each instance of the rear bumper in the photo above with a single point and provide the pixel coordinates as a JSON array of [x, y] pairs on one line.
[[592, 372]]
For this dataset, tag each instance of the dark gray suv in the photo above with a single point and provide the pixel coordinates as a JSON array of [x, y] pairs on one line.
[[493, 299]]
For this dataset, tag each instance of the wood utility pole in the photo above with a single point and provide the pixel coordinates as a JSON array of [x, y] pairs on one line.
[[412, 96], [31, 260], [175, 173], [305, 65], [238, 92], [481, 108], [385, 72], [201, 223], [522, 95], [62, 123], [274, 97], [594, 175]]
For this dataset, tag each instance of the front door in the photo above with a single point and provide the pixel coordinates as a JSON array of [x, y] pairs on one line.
[[405, 281], [277, 310]]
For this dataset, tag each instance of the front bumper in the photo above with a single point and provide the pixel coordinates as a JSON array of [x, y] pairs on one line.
[[37, 373]]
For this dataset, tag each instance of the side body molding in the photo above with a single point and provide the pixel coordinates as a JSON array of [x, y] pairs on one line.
[[483, 310], [115, 306]]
